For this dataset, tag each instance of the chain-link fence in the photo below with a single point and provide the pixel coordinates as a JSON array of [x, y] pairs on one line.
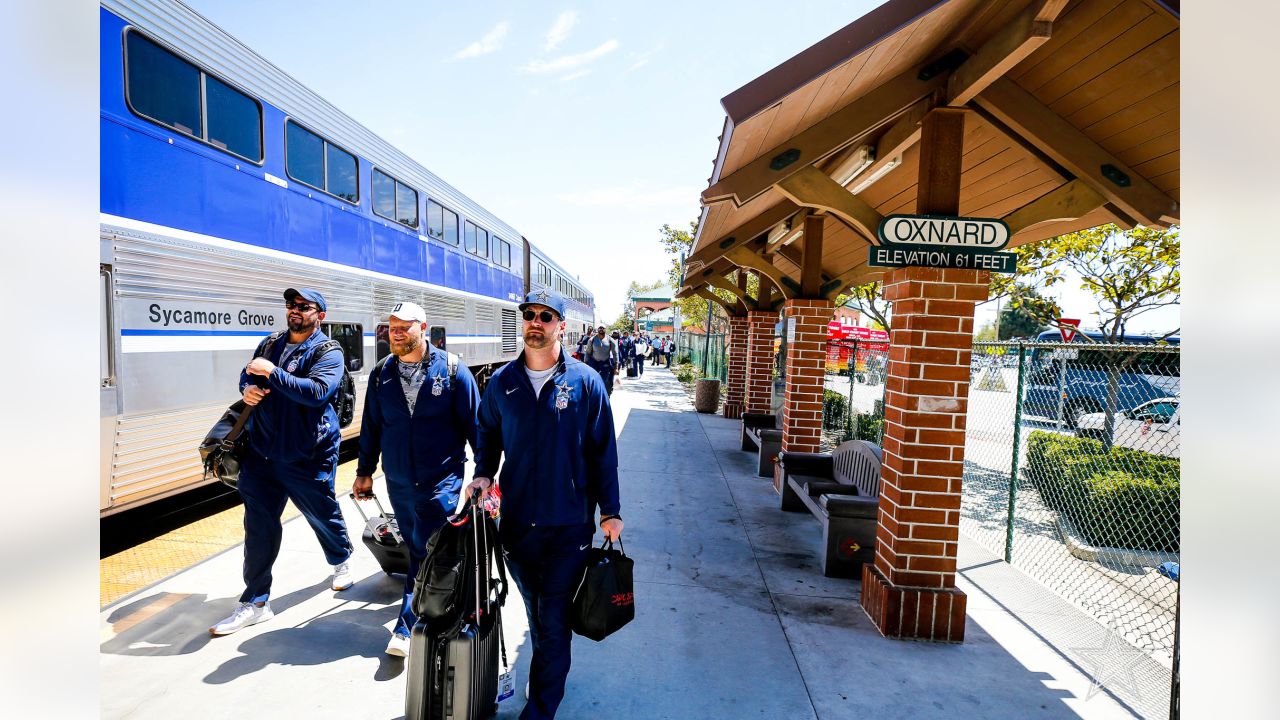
[[853, 398], [1072, 474], [1092, 510], [694, 349]]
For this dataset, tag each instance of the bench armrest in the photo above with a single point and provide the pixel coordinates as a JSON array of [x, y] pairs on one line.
[[802, 463], [830, 488], [851, 506]]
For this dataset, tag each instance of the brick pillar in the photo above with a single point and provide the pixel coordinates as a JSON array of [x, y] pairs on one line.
[[736, 384], [759, 383], [806, 368], [910, 590], [801, 421]]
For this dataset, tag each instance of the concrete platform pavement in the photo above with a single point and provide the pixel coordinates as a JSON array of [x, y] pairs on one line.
[[734, 618]]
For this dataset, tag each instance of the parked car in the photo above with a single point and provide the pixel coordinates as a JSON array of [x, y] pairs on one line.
[[1153, 427]]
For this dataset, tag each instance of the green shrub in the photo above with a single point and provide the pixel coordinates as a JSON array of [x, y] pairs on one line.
[[869, 428], [687, 374], [835, 410], [1119, 498]]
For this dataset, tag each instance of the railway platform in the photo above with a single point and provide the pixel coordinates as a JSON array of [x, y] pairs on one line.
[[734, 618]]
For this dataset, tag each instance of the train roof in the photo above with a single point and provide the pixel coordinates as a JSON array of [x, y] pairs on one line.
[[218, 51], [535, 250]]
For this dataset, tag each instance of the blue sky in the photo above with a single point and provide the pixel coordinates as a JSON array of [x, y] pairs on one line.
[[585, 126]]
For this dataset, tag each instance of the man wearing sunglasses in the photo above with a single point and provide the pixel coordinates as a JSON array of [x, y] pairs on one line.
[[293, 451], [547, 417], [419, 414]]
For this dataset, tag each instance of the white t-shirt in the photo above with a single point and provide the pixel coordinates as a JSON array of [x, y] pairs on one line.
[[539, 378]]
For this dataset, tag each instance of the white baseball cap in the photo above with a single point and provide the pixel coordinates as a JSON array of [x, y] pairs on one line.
[[412, 312]]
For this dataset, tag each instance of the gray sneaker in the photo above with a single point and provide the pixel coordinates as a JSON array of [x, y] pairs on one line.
[[399, 645], [342, 576], [245, 615]]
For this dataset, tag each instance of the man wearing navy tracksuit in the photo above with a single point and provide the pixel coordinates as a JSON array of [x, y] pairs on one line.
[[418, 415], [547, 416], [293, 452]]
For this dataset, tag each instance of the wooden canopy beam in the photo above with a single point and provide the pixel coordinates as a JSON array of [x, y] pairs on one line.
[[735, 309], [828, 136], [1040, 126], [811, 258], [813, 188], [1008, 47], [747, 259], [720, 281], [743, 234], [1067, 202], [853, 276]]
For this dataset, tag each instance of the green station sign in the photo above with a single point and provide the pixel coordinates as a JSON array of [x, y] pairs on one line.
[[942, 242]]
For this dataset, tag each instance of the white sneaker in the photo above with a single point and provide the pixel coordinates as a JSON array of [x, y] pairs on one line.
[[399, 645], [245, 615], [342, 577]]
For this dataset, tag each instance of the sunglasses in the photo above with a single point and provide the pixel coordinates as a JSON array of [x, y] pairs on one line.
[[300, 307], [544, 316]]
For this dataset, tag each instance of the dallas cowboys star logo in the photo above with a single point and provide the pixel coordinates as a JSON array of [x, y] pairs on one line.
[[1112, 666], [542, 295]]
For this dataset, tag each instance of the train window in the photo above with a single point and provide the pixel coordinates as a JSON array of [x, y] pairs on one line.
[[450, 227], [394, 200], [351, 338], [438, 338], [235, 120], [164, 88], [384, 195], [304, 156], [501, 252], [406, 205], [475, 239], [314, 161], [340, 173]]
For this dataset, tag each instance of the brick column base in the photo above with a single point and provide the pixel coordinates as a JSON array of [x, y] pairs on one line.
[[935, 614], [736, 383], [759, 379]]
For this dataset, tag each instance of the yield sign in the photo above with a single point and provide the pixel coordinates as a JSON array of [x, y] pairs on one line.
[[1068, 326]]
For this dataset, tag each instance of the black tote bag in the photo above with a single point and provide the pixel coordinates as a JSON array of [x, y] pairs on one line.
[[605, 599], [225, 445]]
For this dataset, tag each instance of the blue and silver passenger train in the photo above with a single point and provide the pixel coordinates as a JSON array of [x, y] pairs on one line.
[[224, 181]]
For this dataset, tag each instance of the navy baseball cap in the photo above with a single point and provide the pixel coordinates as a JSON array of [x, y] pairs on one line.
[[306, 294], [549, 298]]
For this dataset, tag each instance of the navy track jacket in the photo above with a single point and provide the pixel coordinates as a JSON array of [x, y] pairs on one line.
[[426, 450], [295, 422], [560, 458]]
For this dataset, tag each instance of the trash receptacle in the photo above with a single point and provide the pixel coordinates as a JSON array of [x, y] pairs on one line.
[[706, 395]]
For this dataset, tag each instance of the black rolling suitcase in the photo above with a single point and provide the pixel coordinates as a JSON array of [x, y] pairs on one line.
[[453, 670], [382, 536], [631, 371]]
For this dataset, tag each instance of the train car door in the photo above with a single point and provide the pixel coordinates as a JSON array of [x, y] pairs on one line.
[[109, 395]]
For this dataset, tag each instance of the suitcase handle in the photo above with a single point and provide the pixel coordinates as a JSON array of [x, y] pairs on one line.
[[364, 514]]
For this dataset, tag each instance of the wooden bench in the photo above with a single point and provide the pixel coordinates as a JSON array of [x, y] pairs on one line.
[[842, 490], [761, 434]]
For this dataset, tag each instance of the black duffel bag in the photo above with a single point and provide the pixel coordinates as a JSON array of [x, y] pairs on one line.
[[226, 444], [605, 599]]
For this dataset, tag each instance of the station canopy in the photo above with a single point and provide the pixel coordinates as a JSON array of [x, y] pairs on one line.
[[1072, 123]]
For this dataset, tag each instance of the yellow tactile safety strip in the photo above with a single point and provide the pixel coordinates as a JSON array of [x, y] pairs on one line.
[[152, 561]]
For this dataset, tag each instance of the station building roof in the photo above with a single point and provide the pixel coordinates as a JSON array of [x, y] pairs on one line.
[[1074, 123]]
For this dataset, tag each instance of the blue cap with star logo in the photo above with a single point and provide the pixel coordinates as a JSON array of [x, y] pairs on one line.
[[548, 298]]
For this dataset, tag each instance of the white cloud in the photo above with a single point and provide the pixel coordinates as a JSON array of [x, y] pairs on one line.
[[576, 75], [570, 62], [491, 41], [559, 32], [630, 197], [639, 60]]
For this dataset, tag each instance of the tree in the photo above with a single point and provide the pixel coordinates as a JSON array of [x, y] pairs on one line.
[[1128, 272], [1027, 313], [868, 299]]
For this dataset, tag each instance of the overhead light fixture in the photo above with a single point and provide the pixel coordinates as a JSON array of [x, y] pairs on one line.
[[788, 230], [853, 163], [885, 170]]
